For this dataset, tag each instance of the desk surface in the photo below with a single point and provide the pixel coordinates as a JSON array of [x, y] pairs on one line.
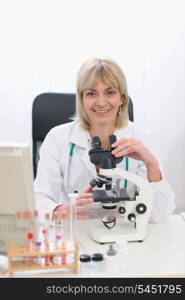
[[161, 254]]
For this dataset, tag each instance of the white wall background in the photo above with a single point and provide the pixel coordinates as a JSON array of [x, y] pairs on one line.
[[44, 42]]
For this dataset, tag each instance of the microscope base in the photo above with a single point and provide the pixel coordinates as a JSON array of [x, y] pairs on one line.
[[120, 233]]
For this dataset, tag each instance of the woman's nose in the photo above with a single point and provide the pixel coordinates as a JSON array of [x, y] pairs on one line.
[[101, 100]]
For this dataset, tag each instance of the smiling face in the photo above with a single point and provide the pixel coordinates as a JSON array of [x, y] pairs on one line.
[[101, 104], [101, 90]]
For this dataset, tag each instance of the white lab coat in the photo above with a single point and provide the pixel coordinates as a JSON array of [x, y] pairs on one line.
[[59, 174]]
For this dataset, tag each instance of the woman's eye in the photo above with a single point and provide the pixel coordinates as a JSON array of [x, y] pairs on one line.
[[110, 92], [90, 93]]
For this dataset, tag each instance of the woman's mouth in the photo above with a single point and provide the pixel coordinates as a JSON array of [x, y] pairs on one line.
[[102, 111]]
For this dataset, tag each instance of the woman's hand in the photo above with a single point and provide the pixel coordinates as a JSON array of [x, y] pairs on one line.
[[136, 150], [81, 200]]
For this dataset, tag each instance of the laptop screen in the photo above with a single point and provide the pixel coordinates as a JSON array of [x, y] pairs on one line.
[[16, 188]]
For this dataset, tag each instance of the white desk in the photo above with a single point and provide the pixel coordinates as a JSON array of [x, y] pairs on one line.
[[161, 254]]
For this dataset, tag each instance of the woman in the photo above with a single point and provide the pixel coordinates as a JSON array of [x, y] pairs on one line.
[[101, 109]]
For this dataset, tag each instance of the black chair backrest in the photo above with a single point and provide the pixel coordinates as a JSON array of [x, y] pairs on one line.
[[50, 110], [130, 110]]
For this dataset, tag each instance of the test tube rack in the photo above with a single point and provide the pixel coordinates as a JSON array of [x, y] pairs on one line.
[[20, 259]]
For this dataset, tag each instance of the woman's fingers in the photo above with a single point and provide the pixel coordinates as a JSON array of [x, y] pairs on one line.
[[88, 190], [85, 198], [81, 201], [82, 208], [63, 210], [129, 147], [121, 142], [134, 149], [84, 195], [123, 151], [132, 144], [84, 201]]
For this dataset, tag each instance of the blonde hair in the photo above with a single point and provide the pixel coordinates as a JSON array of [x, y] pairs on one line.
[[109, 72]]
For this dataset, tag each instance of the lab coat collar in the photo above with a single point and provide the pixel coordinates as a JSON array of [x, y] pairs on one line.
[[82, 138], [79, 136], [124, 132]]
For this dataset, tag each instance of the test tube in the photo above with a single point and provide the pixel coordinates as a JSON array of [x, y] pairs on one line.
[[69, 226], [70, 220], [18, 222], [39, 237], [56, 238], [54, 230], [28, 228], [64, 247], [36, 223], [47, 222], [40, 259], [57, 259], [59, 231], [26, 221], [30, 241], [46, 234], [53, 237], [39, 226], [19, 225], [46, 230]]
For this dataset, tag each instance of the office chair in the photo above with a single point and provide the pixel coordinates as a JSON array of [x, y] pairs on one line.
[[50, 110]]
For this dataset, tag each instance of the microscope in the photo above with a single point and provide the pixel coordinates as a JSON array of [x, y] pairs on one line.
[[133, 211]]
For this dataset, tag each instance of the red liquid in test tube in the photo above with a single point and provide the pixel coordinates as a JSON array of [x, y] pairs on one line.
[[30, 241]]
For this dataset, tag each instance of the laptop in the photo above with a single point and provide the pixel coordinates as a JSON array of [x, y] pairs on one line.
[[16, 191]]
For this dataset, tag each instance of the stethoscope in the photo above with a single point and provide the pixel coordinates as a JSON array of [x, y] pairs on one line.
[[71, 153]]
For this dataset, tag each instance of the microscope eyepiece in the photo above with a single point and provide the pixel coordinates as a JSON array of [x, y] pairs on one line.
[[96, 143], [103, 157], [112, 139]]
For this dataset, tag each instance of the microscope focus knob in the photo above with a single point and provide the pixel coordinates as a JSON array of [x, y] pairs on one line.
[[141, 208], [122, 209], [132, 217]]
